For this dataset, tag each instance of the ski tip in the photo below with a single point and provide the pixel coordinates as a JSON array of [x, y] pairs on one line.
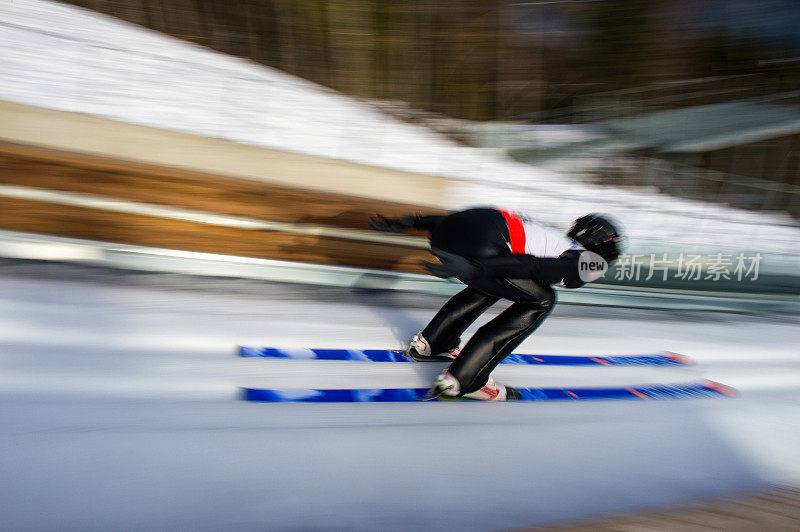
[[720, 388], [678, 358]]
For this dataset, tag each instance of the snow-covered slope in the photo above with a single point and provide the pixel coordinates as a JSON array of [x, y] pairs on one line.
[[61, 57], [117, 412]]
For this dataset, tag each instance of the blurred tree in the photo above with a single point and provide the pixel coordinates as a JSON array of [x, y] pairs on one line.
[[620, 40], [475, 59]]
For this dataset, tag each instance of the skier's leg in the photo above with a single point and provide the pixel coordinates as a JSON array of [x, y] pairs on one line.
[[493, 342], [445, 329], [497, 339]]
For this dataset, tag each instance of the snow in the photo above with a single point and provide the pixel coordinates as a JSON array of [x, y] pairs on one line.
[[66, 58], [118, 410]]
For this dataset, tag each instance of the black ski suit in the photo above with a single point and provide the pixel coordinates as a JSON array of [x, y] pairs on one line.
[[482, 235]]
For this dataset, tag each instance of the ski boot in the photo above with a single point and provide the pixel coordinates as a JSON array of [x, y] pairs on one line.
[[420, 350], [446, 387]]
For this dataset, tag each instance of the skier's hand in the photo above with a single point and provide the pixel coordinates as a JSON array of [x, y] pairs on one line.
[[453, 265], [391, 225]]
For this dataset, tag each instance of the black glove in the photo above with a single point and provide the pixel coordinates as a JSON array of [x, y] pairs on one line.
[[392, 225], [453, 265]]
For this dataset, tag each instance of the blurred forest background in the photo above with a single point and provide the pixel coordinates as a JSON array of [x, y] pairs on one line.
[[491, 59]]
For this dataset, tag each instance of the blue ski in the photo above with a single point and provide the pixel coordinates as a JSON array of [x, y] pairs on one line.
[[693, 390], [386, 355]]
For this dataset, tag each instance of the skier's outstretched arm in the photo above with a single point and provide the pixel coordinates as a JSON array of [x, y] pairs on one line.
[[518, 266], [548, 270]]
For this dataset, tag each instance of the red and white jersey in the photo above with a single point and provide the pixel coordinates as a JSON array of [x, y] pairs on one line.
[[535, 238]]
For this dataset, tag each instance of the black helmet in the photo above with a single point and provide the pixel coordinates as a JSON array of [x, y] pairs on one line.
[[598, 235]]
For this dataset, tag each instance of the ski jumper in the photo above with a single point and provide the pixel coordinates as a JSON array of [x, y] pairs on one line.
[[520, 258]]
